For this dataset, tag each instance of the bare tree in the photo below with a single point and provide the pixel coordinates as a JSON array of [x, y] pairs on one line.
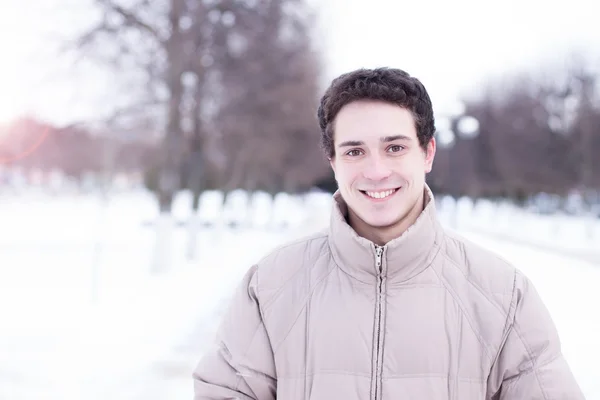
[[146, 41], [149, 42], [223, 78], [271, 83]]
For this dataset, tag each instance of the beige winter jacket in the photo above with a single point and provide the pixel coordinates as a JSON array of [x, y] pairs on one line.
[[429, 316]]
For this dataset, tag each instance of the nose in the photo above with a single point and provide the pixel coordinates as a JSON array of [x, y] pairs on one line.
[[376, 169]]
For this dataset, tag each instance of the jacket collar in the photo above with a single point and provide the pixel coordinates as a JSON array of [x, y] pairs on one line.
[[403, 257]]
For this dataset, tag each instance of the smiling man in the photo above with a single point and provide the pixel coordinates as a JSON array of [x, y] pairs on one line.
[[385, 304]]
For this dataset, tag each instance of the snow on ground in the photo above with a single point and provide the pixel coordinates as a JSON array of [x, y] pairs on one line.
[[56, 343], [575, 235], [144, 333]]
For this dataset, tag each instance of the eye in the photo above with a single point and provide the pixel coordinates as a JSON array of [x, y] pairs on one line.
[[395, 148], [354, 153]]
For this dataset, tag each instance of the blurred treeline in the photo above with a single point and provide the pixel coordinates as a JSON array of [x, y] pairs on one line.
[[223, 95], [226, 98], [539, 133]]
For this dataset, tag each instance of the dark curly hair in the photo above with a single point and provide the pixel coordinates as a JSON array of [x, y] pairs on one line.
[[386, 84]]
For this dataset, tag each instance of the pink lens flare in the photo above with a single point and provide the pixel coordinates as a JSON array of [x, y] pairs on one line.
[[28, 151]]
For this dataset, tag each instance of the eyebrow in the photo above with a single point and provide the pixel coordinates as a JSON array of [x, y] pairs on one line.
[[385, 139]]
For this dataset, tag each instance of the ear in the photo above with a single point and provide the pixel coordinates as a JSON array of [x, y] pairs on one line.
[[430, 155], [332, 163]]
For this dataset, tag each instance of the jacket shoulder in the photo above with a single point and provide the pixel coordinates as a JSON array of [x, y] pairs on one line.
[[491, 273], [299, 259], [483, 283], [286, 279]]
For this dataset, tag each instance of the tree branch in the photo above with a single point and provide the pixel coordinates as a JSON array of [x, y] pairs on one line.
[[131, 18]]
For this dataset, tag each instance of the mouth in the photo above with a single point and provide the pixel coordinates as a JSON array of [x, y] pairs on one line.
[[379, 195]]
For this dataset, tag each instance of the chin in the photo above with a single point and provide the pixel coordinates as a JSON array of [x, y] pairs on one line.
[[382, 221]]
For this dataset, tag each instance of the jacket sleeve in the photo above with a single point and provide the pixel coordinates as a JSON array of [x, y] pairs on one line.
[[530, 364], [241, 364]]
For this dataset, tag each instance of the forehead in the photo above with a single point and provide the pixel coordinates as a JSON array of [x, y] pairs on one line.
[[367, 119]]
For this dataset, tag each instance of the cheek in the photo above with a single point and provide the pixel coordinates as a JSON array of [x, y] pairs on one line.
[[411, 172], [347, 174]]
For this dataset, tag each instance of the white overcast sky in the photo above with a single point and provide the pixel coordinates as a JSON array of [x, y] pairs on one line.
[[449, 45]]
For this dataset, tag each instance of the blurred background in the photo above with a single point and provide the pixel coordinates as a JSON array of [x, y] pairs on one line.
[[152, 151]]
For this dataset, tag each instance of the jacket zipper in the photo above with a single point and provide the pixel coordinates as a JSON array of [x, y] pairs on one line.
[[378, 361]]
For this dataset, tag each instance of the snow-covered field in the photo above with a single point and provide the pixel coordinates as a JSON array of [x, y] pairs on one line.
[[83, 317], [577, 235]]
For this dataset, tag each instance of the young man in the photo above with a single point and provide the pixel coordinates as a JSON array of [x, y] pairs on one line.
[[385, 304]]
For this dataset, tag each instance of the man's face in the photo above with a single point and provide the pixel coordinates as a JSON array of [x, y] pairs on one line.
[[379, 165]]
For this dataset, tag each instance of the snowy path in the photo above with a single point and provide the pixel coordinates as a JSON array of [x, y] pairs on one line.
[[55, 344]]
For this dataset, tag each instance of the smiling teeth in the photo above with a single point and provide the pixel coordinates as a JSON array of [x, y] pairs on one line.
[[380, 195]]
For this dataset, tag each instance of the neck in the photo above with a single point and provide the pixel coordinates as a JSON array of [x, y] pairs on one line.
[[385, 234]]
